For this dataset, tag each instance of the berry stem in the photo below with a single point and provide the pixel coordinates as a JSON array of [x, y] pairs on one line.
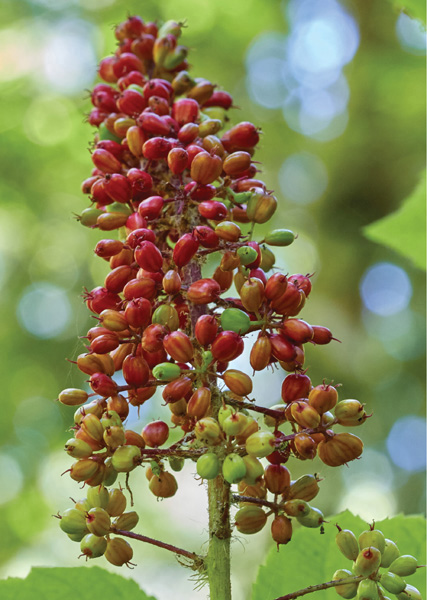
[[143, 538], [219, 556], [321, 586], [273, 505]]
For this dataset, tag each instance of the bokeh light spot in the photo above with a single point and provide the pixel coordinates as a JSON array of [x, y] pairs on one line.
[[44, 310], [69, 59], [370, 500], [385, 289], [406, 443], [411, 34], [11, 478], [303, 178]]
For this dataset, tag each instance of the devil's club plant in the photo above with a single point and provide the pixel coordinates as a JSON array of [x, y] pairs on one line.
[[176, 184]]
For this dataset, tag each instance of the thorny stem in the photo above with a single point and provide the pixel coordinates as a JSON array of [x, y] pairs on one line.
[[218, 558], [321, 586], [273, 505]]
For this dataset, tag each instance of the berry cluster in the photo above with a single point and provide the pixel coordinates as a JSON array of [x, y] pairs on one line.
[[177, 190], [369, 553], [95, 517]]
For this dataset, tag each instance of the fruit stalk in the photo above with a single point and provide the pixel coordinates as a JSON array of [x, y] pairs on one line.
[[320, 586]]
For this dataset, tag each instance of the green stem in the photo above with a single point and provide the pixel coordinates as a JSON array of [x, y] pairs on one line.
[[218, 559]]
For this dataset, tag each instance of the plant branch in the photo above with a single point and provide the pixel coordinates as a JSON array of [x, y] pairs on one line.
[[158, 543], [321, 586]]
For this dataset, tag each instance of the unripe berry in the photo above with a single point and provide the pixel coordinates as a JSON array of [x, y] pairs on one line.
[[98, 521], [166, 371], [199, 403], [296, 508], [323, 398], [345, 590], [393, 583], [238, 382], [404, 565], [84, 469], [234, 319], [114, 437], [73, 521], [367, 590], [260, 353], [260, 444], [234, 424], [367, 561], [78, 448], [179, 346], [118, 552], [254, 469], [350, 413], [409, 593], [279, 237], [116, 503], [207, 431], [73, 397], [233, 468], [305, 488], [98, 496], [391, 552], [277, 479], [93, 546], [304, 414], [167, 316], [250, 519], [126, 521], [305, 445], [347, 543], [163, 485], [125, 458], [340, 449], [208, 466], [372, 537], [313, 519]]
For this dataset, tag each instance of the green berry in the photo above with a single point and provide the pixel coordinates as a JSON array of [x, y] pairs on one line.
[[234, 319], [297, 508], [208, 466], [313, 519], [372, 537], [404, 565], [347, 543], [125, 458], [247, 255], [345, 590], [93, 546], [260, 444], [77, 537], [279, 237], [78, 448], [233, 468], [98, 496], [409, 593], [254, 469], [391, 552], [367, 590], [393, 583], [177, 463], [250, 519], [110, 474], [73, 521], [367, 561], [166, 371]]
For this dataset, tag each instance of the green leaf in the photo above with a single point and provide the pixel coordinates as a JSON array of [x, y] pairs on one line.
[[311, 558], [82, 583], [416, 9], [404, 230]]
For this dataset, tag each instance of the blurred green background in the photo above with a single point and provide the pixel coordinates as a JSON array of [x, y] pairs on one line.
[[338, 90]]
